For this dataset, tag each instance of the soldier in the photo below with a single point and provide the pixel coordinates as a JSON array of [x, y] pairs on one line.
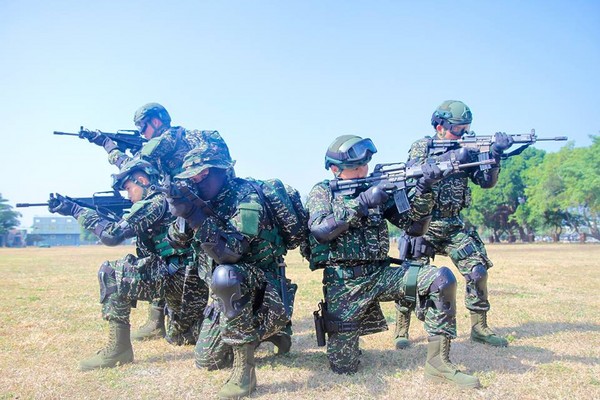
[[349, 241], [232, 224], [165, 149], [158, 270], [447, 234]]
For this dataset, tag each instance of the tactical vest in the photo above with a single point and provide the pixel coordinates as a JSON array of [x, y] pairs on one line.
[[363, 243]]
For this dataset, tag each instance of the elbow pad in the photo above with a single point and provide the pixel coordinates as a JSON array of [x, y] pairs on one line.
[[487, 179], [221, 253], [123, 232], [419, 227], [328, 229]]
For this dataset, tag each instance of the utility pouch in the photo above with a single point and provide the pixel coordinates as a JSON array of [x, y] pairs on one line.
[[320, 324]]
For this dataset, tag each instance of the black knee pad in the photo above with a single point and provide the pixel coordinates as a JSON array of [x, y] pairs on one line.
[[479, 277], [445, 285], [107, 281], [226, 287]]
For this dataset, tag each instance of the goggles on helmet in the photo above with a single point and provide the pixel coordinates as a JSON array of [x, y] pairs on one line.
[[357, 154]]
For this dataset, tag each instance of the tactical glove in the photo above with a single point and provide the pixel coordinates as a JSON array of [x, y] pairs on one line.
[[100, 139], [373, 197], [431, 175], [63, 206], [502, 141], [183, 207], [461, 155]]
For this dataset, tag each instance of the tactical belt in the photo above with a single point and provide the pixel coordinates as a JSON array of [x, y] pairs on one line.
[[333, 274], [465, 251]]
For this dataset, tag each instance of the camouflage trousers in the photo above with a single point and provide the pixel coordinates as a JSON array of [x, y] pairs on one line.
[[350, 298], [261, 317], [125, 281], [466, 250]]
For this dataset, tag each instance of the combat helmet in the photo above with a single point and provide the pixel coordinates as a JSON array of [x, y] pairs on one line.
[[151, 110], [349, 151], [212, 153], [451, 112], [129, 168]]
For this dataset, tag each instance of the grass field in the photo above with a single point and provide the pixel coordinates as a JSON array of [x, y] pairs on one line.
[[544, 299]]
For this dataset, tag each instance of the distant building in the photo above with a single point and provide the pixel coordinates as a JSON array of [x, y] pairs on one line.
[[57, 231]]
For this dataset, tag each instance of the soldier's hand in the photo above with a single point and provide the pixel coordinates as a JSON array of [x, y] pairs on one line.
[[502, 141], [61, 205], [373, 196], [95, 137], [432, 174], [462, 155], [180, 206]]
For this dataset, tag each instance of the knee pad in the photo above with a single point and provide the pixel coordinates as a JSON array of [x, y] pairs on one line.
[[226, 287], [445, 285], [107, 281], [479, 276]]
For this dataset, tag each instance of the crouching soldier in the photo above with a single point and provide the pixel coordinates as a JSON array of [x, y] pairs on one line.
[[349, 241], [236, 222], [155, 271]]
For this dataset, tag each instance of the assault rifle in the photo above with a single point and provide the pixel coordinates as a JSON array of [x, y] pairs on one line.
[[110, 204], [483, 145], [124, 138], [395, 175]]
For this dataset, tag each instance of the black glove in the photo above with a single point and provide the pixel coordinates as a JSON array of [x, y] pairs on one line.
[[432, 174], [99, 139], [461, 155], [183, 207], [373, 197], [502, 141], [63, 206]]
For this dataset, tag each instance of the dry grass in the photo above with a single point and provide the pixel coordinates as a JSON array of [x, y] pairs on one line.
[[544, 298]]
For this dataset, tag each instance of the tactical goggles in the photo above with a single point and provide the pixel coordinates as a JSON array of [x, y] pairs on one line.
[[360, 151], [458, 130]]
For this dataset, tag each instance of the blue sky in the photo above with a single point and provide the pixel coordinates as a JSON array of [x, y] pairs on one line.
[[280, 80]]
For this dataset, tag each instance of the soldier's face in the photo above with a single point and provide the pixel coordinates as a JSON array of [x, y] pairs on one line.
[[454, 133], [209, 184], [352, 173], [134, 192]]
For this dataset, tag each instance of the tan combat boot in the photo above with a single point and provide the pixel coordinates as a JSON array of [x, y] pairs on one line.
[[438, 366], [402, 326], [154, 328], [118, 351], [242, 381], [481, 332]]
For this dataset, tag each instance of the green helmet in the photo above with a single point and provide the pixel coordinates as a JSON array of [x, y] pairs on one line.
[[349, 151], [152, 110], [451, 112], [213, 153], [129, 168]]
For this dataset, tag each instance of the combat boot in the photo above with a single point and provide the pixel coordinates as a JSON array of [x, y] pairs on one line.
[[154, 328], [481, 332], [242, 381], [282, 342], [118, 351], [438, 366], [402, 326]]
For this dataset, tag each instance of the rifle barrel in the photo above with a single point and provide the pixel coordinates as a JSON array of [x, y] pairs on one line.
[[66, 133], [19, 205]]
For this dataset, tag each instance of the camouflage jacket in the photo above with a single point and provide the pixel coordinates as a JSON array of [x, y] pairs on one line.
[[148, 221], [242, 222], [166, 151], [452, 193], [367, 239]]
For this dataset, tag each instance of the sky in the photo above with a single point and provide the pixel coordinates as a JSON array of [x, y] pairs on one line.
[[280, 80]]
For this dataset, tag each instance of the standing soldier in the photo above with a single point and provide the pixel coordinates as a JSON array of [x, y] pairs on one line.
[[447, 234], [234, 224], [349, 241], [158, 270]]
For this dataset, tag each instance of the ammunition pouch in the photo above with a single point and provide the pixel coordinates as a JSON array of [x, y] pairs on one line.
[[412, 248]]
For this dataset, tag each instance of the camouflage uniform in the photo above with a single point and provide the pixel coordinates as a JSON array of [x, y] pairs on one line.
[[240, 214], [357, 274], [447, 231], [157, 271]]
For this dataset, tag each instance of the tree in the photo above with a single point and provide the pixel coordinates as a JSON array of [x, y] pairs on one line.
[[8, 219]]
